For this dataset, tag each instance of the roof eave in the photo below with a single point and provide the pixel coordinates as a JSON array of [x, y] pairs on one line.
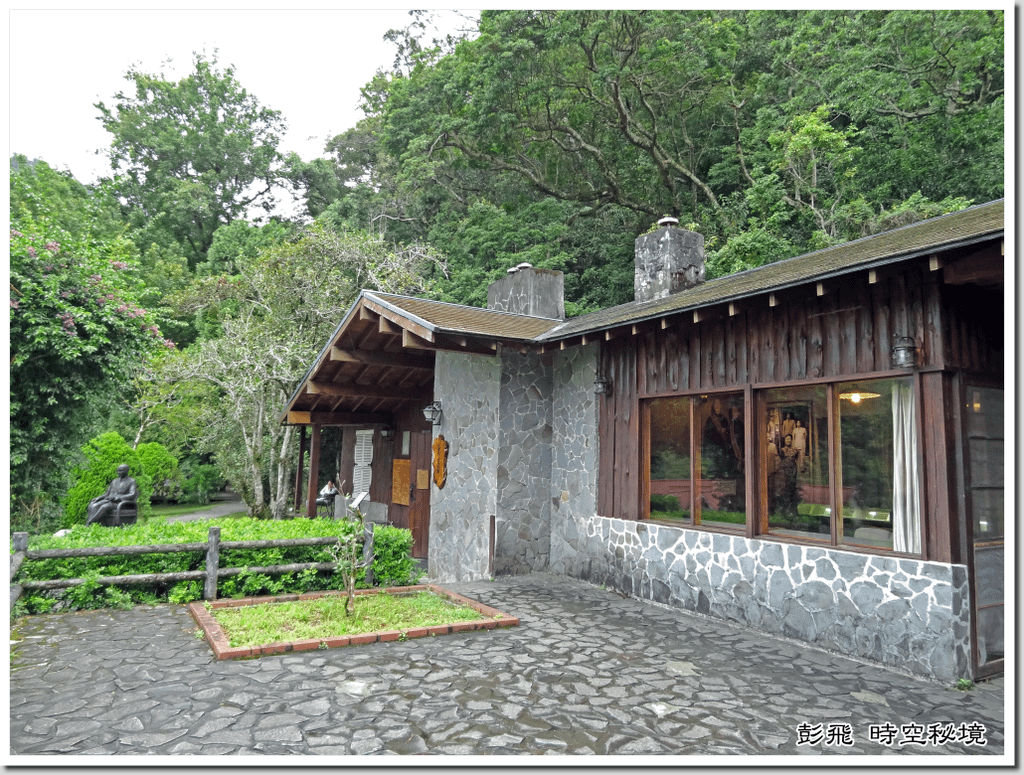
[[320, 357], [554, 336]]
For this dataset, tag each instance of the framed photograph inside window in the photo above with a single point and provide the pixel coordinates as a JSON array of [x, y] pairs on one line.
[[795, 446]]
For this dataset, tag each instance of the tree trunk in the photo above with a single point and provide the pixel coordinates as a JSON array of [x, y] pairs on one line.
[[279, 485]]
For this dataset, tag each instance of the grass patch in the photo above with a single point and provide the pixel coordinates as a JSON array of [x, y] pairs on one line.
[[325, 617]]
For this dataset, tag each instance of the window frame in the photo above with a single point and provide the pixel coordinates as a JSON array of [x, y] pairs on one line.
[[755, 415], [695, 459]]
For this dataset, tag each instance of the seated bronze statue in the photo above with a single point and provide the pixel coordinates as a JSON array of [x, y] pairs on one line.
[[118, 505]]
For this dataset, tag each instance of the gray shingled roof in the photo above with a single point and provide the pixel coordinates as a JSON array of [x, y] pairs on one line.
[[960, 228], [446, 318]]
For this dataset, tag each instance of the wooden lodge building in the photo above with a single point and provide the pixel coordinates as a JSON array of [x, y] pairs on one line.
[[813, 448]]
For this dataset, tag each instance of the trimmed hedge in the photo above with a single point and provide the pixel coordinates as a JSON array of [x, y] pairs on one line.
[[393, 565]]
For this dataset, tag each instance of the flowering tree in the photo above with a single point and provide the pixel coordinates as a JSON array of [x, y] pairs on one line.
[[77, 335]]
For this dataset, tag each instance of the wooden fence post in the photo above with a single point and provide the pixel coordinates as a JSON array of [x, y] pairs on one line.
[[212, 564], [20, 547]]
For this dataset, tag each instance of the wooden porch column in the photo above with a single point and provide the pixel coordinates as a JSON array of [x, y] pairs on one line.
[[299, 467], [314, 471]]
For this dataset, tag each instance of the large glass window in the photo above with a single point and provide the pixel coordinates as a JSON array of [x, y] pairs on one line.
[[722, 500], [670, 459], [874, 491], [797, 467], [881, 504], [836, 463], [697, 460]]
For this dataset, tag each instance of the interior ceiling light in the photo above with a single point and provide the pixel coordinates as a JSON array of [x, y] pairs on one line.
[[858, 397]]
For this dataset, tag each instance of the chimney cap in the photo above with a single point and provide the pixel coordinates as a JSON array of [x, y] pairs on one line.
[[668, 220]]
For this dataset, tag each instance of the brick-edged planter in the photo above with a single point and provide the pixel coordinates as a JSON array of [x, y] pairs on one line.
[[218, 640]]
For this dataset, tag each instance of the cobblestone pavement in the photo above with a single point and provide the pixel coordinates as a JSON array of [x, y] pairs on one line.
[[586, 672]]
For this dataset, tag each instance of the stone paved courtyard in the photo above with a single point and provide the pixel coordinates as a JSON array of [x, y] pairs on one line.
[[587, 672]]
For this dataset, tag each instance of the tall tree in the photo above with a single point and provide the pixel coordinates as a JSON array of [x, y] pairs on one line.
[[192, 155], [717, 117], [594, 107]]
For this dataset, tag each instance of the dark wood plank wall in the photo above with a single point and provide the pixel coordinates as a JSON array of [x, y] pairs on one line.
[[844, 333], [380, 482], [348, 459], [973, 334], [938, 456]]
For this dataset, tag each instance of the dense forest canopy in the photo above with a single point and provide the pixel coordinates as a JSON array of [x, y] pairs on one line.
[[169, 305]]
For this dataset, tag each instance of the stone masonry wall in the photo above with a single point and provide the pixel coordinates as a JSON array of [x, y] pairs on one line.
[[460, 514], [523, 524], [575, 439], [909, 614]]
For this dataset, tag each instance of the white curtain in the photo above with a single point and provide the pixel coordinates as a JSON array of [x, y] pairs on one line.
[[906, 497]]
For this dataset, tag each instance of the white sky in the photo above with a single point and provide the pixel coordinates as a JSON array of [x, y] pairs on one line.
[[308, 64]]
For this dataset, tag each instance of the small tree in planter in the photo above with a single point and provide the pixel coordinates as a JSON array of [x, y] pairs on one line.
[[347, 556]]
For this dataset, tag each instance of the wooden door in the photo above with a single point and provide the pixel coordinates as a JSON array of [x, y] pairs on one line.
[[419, 492]]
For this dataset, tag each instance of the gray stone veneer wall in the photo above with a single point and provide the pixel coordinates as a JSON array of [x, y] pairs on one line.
[[523, 524], [522, 435], [574, 413], [460, 514], [909, 614]]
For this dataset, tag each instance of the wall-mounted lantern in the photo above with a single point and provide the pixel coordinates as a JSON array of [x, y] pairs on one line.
[[904, 352], [602, 387], [387, 432], [432, 413]]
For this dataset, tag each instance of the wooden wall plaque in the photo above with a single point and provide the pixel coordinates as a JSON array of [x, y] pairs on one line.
[[440, 450], [401, 468]]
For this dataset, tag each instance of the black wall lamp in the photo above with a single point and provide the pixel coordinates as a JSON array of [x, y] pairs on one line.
[[904, 352], [432, 413]]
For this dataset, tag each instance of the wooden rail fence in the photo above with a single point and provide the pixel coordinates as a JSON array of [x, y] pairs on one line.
[[211, 547]]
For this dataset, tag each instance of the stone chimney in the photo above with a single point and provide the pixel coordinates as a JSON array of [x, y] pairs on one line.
[[529, 291], [668, 260]]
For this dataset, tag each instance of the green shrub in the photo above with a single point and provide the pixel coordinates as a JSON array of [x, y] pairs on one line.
[[393, 565], [185, 592], [200, 483], [158, 464], [735, 517]]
